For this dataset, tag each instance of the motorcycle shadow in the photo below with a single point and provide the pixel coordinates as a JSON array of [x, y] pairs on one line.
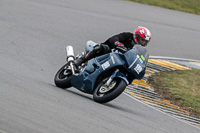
[[124, 108], [115, 104], [76, 92]]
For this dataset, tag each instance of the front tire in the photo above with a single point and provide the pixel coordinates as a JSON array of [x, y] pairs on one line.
[[63, 77], [116, 87]]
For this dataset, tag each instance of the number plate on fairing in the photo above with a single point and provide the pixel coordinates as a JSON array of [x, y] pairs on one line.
[[105, 65]]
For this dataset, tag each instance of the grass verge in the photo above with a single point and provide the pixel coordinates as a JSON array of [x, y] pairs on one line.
[[189, 6], [180, 87]]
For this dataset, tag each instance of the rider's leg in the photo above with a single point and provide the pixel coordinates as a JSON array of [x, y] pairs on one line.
[[97, 51]]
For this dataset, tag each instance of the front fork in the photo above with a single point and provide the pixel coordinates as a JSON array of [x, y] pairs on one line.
[[118, 74], [72, 67], [110, 83], [111, 78]]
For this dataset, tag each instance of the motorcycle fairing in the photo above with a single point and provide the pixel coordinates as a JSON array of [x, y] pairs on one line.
[[86, 80], [136, 59]]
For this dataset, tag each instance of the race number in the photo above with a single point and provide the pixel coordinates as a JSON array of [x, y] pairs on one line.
[[138, 68], [105, 65]]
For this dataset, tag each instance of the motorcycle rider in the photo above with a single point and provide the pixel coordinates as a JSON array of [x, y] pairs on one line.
[[127, 40]]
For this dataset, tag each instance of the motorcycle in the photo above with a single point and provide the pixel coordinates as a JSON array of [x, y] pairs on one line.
[[106, 76]]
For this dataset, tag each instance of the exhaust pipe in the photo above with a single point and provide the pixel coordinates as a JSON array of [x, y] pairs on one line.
[[70, 57], [70, 53]]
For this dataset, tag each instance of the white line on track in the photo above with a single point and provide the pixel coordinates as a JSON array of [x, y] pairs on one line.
[[160, 110]]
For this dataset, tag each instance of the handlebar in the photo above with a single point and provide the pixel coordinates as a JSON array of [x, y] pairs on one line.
[[122, 49]]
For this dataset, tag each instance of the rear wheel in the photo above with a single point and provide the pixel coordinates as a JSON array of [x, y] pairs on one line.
[[103, 93], [63, 77]]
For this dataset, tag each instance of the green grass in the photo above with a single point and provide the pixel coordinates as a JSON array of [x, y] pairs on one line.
[[180, 87], [189, 6]]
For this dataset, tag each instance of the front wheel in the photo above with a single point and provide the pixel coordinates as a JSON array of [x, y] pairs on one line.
[[103, 93], [63, 77]]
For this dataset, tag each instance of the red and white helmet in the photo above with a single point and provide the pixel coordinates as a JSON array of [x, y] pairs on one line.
[[142, 36]]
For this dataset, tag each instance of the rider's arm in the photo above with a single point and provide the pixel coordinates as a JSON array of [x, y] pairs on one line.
[[122, 38]]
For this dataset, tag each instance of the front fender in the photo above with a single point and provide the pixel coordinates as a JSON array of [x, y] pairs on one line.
[[122, 76]]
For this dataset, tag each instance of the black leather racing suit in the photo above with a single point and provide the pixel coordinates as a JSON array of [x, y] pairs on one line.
[[125, 38]]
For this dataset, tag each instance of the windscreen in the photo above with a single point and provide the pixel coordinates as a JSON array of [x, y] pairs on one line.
[[136, 59]]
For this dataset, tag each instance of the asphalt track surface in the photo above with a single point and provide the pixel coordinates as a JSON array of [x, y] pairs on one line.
[[33, 36]]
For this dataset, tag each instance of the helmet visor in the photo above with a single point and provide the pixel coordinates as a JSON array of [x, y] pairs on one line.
[[143, 42]]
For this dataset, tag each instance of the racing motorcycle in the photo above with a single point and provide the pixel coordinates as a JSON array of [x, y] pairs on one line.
[[106, 76]]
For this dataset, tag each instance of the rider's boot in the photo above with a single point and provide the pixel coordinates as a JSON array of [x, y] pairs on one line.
[[79, 61]]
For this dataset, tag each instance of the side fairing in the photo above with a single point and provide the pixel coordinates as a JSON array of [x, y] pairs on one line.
[[86, 80]]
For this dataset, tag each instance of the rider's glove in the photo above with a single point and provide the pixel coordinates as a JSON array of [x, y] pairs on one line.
[[118, 44]]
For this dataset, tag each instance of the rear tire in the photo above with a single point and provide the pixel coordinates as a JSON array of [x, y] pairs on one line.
[[113, 93], [63, 77]]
